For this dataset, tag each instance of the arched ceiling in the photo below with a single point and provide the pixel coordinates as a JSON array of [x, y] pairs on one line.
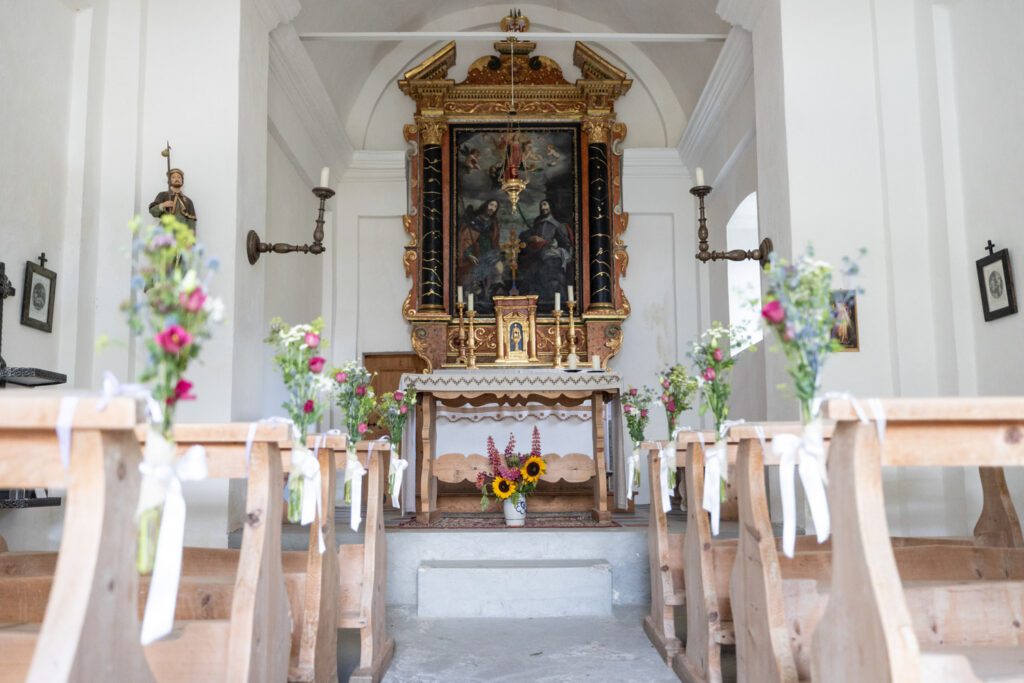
[[360, 76]]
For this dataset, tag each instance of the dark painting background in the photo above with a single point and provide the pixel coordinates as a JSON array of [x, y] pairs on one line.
[[550, 164]]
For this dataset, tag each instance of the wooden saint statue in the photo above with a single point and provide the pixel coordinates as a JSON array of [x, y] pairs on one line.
[[174, 201]]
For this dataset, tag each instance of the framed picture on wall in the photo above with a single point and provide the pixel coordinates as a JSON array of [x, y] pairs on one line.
[[37, 296], [995, 279], [844, 312]]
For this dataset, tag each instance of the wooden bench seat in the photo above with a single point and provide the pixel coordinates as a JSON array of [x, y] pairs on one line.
[[876, 627]]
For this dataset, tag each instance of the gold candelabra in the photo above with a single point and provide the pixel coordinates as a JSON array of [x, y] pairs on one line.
[[572, 335], [558, 339], [471, 350], [461, 307]]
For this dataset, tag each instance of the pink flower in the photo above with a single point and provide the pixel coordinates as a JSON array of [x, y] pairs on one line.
[[633, 391], [192, 302], [717, 355], [174, 339], [709, 375], [481, 479], [316, 364], [665, 383], [665, 398], [312, 340], [789, 334], [309, 407], [399, 395], [340, 378], [362, 428], [773, 312], [181, 390], [670, 406], [628, 410], [361, 390], [403, 409], [643, 412]]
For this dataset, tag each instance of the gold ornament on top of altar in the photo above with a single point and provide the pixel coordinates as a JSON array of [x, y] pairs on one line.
[[516, 329]]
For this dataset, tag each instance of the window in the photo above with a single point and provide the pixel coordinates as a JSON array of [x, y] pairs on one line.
[[744, 276]]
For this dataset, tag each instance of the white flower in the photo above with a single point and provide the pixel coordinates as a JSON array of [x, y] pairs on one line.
[[214, 307], [189, 282]]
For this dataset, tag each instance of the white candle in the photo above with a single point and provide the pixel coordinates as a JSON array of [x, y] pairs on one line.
[[595, 361], [325, 177], [573, 360], [459, 293], [471, 301], [558, 301], [570, 294], [700, 176]]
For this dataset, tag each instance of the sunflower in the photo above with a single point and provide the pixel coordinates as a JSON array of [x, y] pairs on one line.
[[533, 468], [502, 487]]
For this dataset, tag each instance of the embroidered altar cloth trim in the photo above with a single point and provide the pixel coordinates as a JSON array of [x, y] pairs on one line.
[[535, 411], [521, 379]]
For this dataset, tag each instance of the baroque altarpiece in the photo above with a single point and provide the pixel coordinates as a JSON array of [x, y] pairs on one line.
[[515, 110]]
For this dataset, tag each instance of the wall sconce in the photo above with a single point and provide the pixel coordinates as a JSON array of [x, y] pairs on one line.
[[254, 246], [700, 190]]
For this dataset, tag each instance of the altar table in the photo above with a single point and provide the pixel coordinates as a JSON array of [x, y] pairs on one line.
[[552, 389]]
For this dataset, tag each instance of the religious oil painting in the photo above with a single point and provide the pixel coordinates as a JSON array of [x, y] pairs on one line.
[[995, 279], [845, 330], [533, 249], [37, 301]]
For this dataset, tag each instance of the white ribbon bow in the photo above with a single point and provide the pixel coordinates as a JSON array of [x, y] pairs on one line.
[[161, 485], [354, 472], [807, 453], [396, 473], [632, 466], [65, 418], [112, 388], [716, 472], [251, 435], [307, 465], [666, 452]]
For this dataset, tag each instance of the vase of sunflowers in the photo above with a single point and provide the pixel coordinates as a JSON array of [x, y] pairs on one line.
[[512, 479]]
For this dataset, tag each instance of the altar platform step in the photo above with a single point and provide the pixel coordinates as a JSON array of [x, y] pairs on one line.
[[520, 589]]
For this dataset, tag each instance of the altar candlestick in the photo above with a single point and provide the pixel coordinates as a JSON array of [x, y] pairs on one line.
[[571, 298], [595, 361], [700, 176], [325, 177], [459, 292], [558, 300], [470, 307]]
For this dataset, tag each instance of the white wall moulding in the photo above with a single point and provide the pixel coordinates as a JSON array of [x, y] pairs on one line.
[[370, 166], [487, 36], [648, 162], [743, 13], [294, 76], [277, 12], [734, 67]]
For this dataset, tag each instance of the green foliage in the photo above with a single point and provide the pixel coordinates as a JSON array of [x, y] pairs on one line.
[[636, 408], [678, 391], [296, 355], [354, 396], [713, 364]]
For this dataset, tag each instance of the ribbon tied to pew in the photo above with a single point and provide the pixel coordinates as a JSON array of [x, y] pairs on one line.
[[632, 469], [807, 455], [396, 473], [666, 473], [161, 486], [716, 472]]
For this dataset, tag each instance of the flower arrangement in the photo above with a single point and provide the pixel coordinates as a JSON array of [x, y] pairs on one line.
[[799, 308], [393, 409], [297, 355], [635, 406], [678, 390], [174, 310], [713, 367], [512, 477], [355, 397]]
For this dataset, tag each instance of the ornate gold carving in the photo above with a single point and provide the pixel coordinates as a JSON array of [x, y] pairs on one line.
[[432, 68], [597, 129], [420, 345], [537, 70], [500, 108], [432, 132], [612, 341]]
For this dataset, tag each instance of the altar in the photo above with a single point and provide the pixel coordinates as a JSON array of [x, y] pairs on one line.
[[578, 415]]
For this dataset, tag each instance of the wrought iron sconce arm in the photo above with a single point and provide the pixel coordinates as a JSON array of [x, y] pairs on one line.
[[704, 254], [254, 246]]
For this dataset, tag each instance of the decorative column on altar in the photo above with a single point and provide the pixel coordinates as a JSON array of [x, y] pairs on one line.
[[599, 216], [432, 134]]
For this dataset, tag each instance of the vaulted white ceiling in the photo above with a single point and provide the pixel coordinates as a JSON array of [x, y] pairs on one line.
[[360, 76]]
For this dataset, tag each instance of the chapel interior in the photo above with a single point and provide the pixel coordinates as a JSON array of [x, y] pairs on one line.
[[445, 341]]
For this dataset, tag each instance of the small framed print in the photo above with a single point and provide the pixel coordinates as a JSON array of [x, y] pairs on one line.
[[37, 297], [844, 314], [995, 278]]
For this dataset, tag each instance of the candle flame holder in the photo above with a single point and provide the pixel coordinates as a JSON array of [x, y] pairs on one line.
[[254, 246]]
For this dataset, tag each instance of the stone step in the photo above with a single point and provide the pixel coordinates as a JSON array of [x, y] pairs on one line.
[[515, 589]]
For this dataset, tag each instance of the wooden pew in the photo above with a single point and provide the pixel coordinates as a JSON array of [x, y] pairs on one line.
[[232, 615], [877, 628], [665, 552], [90, 630], [775, 601]]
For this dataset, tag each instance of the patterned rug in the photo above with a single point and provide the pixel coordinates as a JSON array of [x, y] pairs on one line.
[[534, 520]]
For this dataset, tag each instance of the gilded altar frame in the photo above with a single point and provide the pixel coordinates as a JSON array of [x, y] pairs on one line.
[[542, 96]]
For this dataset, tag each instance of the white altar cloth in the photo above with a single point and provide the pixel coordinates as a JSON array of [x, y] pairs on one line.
[[564, 429]]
